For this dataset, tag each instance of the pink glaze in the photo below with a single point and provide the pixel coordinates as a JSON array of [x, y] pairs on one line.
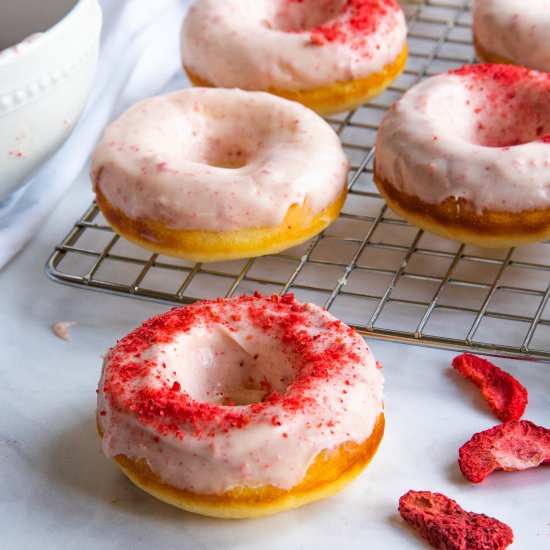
[[242, 391], [518, 31], [290, 44], [480, 133], [218, 160]]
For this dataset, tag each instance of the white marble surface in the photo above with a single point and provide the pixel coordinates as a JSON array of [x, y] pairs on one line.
[[57, 490]]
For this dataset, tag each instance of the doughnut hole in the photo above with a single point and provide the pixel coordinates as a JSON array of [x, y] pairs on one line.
[[213, 136], [491, 114], [226, 369], [512, 116], [300, 16], [223, 156]]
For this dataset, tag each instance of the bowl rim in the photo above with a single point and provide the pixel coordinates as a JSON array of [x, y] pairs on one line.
[[46, 34], [77, 5]]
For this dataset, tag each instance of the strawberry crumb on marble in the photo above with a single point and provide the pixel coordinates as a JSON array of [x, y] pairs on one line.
[[504, 394], [446, 525], [61, 329], [511, 446]]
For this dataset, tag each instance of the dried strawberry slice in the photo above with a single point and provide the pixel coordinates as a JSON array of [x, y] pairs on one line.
[[505, 395], [514, 445], [446, 525]]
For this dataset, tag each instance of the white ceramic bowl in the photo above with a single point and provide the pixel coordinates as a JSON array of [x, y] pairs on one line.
[[48, 55]]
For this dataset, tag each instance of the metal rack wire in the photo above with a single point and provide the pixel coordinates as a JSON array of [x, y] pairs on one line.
[[370, 268]]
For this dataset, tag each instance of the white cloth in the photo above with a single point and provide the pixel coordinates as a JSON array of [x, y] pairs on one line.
[[139, 56]]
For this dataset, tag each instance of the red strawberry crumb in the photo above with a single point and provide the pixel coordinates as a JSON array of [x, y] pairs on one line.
[[514, 445], [506, 73], [502, 88], [275, 421], [504, 394], [317, 39], [446, 525], [357, 18], [168, 409]]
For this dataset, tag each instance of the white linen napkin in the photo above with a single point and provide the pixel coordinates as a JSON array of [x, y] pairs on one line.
[[139, 56]]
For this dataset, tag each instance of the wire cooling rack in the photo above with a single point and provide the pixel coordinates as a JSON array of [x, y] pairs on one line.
[[369, 268]]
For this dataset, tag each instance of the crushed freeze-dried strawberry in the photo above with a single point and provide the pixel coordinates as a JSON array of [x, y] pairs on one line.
[[168, 408], [514, 445], [504, 394], [61, 329], [317, 39], [446, 525]]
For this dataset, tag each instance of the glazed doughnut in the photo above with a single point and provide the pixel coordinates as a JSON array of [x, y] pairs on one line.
[[241, 407], [466, 155], [213, 174], [330, 55], [508, 31]]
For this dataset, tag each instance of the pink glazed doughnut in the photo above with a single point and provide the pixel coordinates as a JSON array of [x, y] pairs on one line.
[[330, 55], [215, 174], [508, 31], [466, 155], [241, 407]]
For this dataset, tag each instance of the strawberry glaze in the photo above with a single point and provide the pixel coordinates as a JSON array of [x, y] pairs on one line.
[[517, 31], [221, 394], [218, 160], [477, 133], [290, 44]]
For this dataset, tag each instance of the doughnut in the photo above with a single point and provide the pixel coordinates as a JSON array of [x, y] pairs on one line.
[[330, 55], [241, 407], [512, 32], [214, 174], [466, 155]]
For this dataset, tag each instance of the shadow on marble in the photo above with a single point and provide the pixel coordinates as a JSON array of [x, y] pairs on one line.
[[399, 524], [454, 475]]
